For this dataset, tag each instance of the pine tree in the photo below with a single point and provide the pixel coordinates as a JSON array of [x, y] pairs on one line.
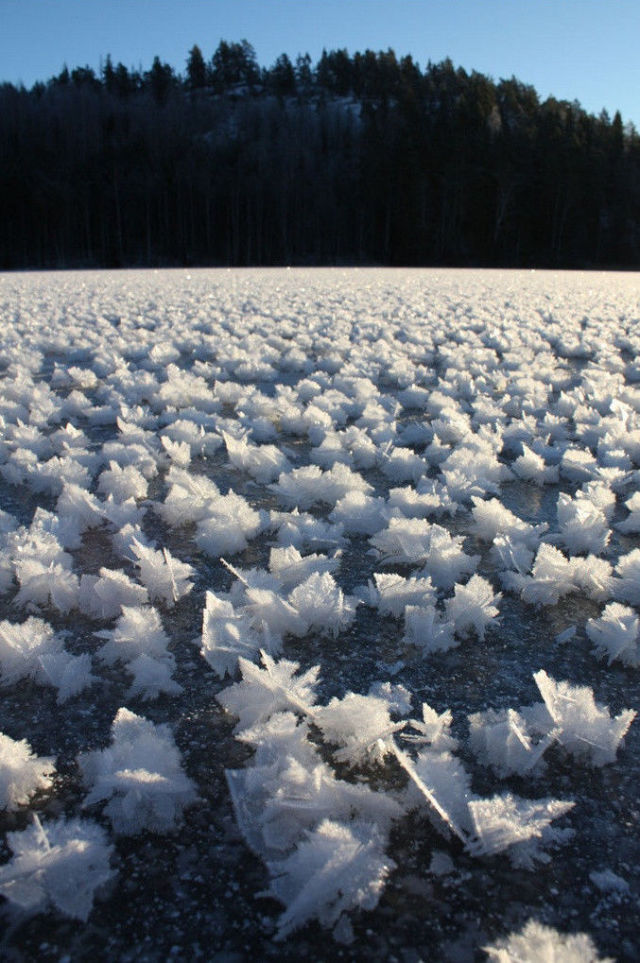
[[196, 69]]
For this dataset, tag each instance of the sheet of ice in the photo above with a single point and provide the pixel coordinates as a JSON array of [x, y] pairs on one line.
[[413, 441]]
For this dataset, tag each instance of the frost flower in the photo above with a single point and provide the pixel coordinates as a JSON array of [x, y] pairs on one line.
[[140, 641], [58, 864], [141, 776], [165, 577], [472, 607], [582, 726], [32, 649], [537, 943], [361, 725], [615, 634], [22, 773], [271, 689], [338, 867]]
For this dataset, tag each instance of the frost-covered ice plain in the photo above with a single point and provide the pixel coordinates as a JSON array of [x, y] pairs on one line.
[[320, 615]]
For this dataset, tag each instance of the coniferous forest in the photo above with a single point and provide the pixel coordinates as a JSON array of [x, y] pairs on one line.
[[358, 159]]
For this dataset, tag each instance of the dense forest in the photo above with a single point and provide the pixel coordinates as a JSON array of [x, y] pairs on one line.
[[358, 159]]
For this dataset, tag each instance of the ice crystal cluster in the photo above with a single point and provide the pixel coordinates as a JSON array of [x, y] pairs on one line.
[[383, 525]]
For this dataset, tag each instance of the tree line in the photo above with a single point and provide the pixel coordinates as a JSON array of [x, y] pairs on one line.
[[358, 159]]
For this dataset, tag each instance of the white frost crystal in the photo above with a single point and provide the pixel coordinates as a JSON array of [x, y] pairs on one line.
[[433, 730], [139, 641], [271, 689], [122, 483], [513, 741], [22, 773], [582, 726], [473, 607], [542, 944], [58, 864], [263, 462], [338, 867], [227, 635], [165, 577], [103, 596], [583, 525], [291, 568], [322, 605], [141, 776], [427, 630], [392, 593], [361, 725], [503, 740], [615, 634], [414, 541], [32, 649], [506, 821]]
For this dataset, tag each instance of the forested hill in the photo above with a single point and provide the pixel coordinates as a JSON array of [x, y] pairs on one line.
[[358, 159]]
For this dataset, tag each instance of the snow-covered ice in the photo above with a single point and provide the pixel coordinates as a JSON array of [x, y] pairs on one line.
[[351, 557]]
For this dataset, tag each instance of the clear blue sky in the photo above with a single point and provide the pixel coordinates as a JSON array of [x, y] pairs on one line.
[[585, 50]]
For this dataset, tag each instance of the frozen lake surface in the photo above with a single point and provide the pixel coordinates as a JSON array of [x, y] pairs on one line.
[[407, 501]]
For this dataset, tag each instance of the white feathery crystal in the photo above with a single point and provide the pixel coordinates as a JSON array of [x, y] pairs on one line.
[[553, 576], [43, 569], [473, 607], [59, 864], [583, 526], [631, 524], [22, 773], [288, 790], [537, 943], [226, 525], [427, 630], [322, 605], [166, 578], [414, 541], [104, 595], [582, 726], [360, 513], [139, 776], [122, 483], [515, 741], [615, 634], [188, 497], [263, 462], [491, 518], [531, 467], [393, 593], [507, 822], [227, 635], [309, 485], [140, 642], [503, 740], [77, 503], [433, 730], [336, 868], [32, 649], [360, 726], [291, 568], [429, 497], [179, 452], [267, 690], [627, 581], [272, 614]]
